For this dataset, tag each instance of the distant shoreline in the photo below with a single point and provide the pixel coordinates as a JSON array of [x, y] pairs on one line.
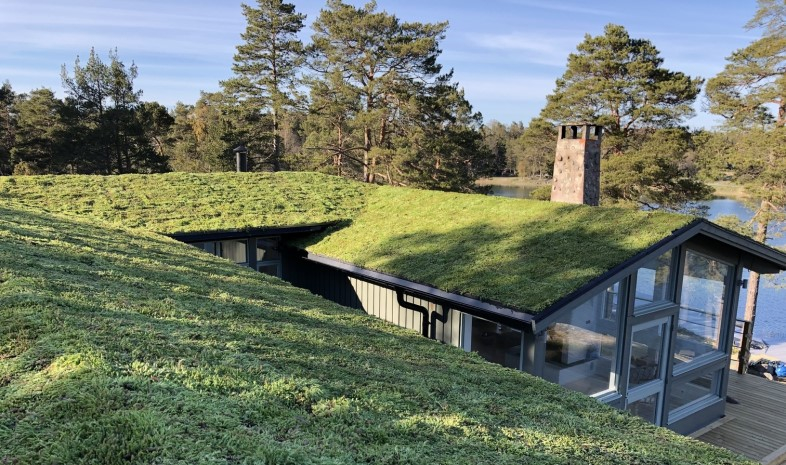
[[513, 181], [723, 189]]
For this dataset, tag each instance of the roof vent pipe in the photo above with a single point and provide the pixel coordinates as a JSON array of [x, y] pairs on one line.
[[241, 158]]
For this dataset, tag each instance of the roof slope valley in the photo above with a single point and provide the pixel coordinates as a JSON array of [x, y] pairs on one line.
[[122, 346], [522, 254]]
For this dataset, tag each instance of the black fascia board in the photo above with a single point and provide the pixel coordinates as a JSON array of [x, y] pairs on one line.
[[499, 314], [762, 251], [249, 233]]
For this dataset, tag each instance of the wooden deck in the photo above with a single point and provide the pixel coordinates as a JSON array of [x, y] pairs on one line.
[[756, 427]]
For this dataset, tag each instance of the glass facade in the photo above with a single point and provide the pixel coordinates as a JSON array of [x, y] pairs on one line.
[[581, 348], [700, 387], [235, 250], [267, 259], [646, 353], [702, 304]]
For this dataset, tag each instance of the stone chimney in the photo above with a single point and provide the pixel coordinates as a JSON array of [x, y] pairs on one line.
[[577, 164]]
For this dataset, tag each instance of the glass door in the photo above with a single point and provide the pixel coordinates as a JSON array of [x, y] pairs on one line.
[[647, 370]]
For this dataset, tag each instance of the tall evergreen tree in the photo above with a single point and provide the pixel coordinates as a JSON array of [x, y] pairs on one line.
[[755, 75], [8, 100], [620, 83], [266, 65], [108, 132], [39, 144], [378, 61], [753, 80]]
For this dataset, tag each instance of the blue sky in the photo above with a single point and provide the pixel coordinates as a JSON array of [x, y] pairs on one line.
[[506, 54]]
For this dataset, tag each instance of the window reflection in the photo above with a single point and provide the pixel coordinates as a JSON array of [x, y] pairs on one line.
[[496, 342], [654, 281], [701, 307], [581, 348]]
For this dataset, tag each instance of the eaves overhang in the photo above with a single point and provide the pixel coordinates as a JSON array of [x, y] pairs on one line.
[[498, 313]]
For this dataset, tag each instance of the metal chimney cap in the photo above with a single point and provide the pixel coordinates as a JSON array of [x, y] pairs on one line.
[[240, 149]]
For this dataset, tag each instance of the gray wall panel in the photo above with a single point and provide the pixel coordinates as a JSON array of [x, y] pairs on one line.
[[375, 300]]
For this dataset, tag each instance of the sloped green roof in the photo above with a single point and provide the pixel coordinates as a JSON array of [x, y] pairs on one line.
[[184, 202], [123, 346], [519, 253]]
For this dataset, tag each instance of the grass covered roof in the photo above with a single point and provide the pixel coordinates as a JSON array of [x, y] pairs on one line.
[[519, 253], [123, 346], [186, 203]]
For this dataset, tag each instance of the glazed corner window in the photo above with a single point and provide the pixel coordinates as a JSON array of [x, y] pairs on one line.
[[654, 282], [581, 348], [702, 301]]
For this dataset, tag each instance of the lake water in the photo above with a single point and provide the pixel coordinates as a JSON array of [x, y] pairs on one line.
[[771, 313]]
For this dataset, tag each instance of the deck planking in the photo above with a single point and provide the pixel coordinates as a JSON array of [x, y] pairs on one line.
[[756, 427]]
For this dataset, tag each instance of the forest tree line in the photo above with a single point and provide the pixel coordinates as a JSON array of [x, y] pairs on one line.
[[367, 98]]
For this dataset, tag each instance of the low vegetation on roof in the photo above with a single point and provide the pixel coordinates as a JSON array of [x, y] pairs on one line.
[[521, 253], [123, 346], [183, 202]]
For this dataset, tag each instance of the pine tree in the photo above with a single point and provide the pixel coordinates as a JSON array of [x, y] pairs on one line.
[[266, 66], [8, 100], [620, 83], [380, 64]]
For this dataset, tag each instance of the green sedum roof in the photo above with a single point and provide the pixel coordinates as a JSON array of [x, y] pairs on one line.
[[123, 346], [519, 253], [185, 203]]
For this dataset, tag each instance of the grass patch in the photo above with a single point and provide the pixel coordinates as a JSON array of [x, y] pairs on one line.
[[729, 190], [122, 346], [521, 253], [513, 181], [186, 202]]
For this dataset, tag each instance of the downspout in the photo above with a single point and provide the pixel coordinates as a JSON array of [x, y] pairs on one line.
[[443, 318], [418, 308]]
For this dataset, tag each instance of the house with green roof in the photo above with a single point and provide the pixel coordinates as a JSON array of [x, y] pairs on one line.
[[636, 309]]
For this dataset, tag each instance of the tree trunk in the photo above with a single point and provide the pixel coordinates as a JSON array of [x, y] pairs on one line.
[[367, 174], [753, 292], [276, 143]]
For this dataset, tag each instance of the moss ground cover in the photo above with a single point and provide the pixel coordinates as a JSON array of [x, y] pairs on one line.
[[123, 346], [522, 253], [184, 202]]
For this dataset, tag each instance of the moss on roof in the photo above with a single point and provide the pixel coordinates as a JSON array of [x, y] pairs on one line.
[[182, 202], [123, 346], [519, 253]]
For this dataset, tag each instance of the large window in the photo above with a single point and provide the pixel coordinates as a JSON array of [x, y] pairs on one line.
[[702, 302], [581, 348], [495, 342], [701, 387]]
